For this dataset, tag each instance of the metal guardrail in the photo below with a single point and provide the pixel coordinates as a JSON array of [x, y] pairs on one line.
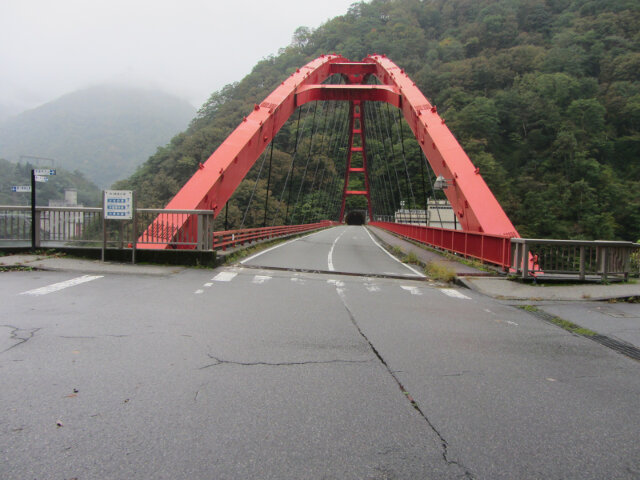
[[232, 238], [83, 227], [531, 257], [494, 249]]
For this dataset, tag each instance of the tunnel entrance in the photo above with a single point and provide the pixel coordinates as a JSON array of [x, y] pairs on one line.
[[356, 217]]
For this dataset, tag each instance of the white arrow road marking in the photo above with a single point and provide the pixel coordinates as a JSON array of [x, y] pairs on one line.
[[452, 292], [61, 285], [224, 277]]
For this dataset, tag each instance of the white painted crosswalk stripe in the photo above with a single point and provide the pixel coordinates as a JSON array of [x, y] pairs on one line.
[[452, 292], [224, 277], [61, 285]]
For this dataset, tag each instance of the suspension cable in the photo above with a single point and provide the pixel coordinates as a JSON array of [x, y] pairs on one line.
[[434, 193], [289, 172], [333, 140], [376, 157], [306, 166], [315, 173], [266, 200], [255, 185], [393, 156], [412, 198]]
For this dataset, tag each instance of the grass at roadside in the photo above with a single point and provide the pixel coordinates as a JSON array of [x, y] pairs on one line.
[[564, 324]]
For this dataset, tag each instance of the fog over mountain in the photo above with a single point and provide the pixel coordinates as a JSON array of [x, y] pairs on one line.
[[105, 131]]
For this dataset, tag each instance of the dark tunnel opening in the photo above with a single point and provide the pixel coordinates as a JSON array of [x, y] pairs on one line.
[[355, 217]]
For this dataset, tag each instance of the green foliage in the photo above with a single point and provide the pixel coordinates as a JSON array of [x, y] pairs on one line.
[[543, 96], [440, 272]]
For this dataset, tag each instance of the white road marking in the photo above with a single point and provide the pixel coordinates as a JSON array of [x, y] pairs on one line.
[[372, 287], [61, 285], [198, 291], [452, 292], [260, 279], [413, 290], [301, 281], [208, 284], [278, 246], [418, 273], [511, 323], [330, 256], [224, 277], [337, 283]]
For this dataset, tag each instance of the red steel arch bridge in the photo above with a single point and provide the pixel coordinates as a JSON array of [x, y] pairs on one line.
[[485, 228]]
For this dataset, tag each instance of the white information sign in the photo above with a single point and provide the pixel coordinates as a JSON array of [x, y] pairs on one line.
[[43, 171], [118, 204], [21, 188], [41, 178]]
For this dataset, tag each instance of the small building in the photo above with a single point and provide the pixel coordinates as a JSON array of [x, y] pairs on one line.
[[439, 214], [61, 223]]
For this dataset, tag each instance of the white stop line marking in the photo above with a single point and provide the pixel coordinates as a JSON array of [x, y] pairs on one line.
[[61, 285], [224, 277], [454, 293]]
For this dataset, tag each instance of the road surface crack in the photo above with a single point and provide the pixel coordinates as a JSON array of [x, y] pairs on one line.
[[22, 335], [443, 442], [220, 361]]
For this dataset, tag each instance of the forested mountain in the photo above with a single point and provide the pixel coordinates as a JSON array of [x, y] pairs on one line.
[[104, 131], [544, 96], [12, 174]]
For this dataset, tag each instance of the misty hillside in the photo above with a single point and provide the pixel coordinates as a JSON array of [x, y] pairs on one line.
[[105, 132], [12, 174]]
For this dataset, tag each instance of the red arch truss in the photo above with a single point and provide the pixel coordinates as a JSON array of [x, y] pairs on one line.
[[213, 184]]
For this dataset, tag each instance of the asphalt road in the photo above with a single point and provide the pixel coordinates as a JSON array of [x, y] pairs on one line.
[[246, 372]]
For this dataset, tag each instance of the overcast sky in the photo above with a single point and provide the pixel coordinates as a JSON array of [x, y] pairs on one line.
[[186, 47]]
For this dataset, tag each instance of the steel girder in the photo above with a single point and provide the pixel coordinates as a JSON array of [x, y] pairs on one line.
[[215, 181]]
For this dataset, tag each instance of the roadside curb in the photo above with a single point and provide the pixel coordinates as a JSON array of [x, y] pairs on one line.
[[505, 289]]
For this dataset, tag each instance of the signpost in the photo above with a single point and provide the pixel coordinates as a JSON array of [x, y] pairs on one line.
[[119, 205], [37, 175]]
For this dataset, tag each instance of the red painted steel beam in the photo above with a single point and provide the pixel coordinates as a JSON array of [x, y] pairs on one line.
[[475, 206], [216, 180], [371, 93]]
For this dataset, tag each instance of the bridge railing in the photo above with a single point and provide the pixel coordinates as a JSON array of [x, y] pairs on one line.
[[494, 249], [232, 238], [84, 227], [572, 258]]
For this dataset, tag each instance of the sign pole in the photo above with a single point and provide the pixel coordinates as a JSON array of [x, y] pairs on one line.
[[33, 210], [135, 228], [104, 228]]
